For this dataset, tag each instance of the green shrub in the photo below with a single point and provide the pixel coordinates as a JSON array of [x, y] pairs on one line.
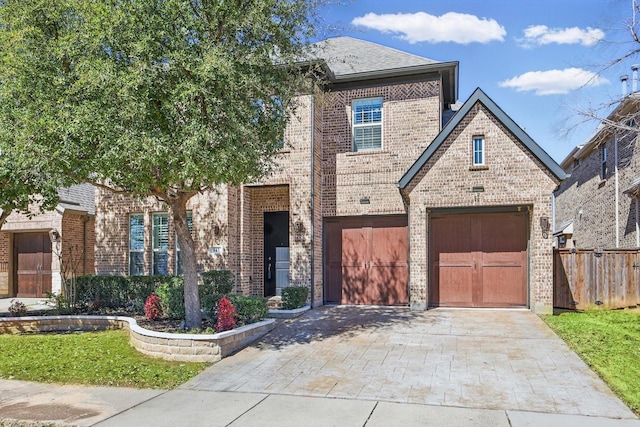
[[294, 297], [220, 281], [171, 295], [250, 309]]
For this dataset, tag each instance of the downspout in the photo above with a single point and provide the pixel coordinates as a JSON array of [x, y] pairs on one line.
[[617, 189], [313, 196]]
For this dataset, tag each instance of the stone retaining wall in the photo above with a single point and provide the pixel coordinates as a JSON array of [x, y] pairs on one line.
[[176, 347]]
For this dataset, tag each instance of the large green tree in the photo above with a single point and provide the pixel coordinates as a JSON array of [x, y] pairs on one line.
[[163, 98]]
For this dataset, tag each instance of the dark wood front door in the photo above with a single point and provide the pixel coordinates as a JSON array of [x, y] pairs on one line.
[[33, 264], [478, 260], [276, 235], [366, 261]]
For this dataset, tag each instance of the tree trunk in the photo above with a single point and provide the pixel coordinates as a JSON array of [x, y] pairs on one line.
[[193, 315], [3, 217]]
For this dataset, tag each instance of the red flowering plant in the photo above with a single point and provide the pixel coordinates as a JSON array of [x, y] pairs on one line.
[[226, 315], [153, 307]]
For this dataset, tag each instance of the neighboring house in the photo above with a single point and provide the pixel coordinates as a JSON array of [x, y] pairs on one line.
[[31, 249], [383, 195], [596, 207]]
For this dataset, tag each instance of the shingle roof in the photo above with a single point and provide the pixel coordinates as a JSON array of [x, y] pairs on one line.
[[346, 56], [479, 96], [78, 197]]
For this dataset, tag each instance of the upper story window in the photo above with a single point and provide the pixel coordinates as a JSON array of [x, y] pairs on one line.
[[160, 244], [603, 161], [478, 151], [136, 245], [367, 124]]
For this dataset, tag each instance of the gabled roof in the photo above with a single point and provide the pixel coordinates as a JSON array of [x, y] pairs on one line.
[[479, 96], [349, 59]]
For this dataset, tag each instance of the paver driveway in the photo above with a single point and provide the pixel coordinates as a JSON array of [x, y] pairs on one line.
[[497, 359]]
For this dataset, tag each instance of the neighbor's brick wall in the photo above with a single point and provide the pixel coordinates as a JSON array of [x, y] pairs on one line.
[[512, 177], [410, 121], [585, 190]]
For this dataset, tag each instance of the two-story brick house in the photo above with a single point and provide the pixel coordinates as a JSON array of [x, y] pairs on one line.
[[597, 206], [379, 175]]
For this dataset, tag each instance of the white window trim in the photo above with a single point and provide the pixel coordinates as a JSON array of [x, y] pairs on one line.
[[364, 125], [483, 150]]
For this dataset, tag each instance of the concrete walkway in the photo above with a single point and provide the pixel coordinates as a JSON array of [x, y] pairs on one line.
[[357, 366]]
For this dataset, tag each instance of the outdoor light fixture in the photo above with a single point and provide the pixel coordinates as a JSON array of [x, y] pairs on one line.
[[216, 230], [54, 236], [545, 225], [298, 226]]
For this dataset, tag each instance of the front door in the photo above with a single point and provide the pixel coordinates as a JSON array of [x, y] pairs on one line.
[[276, 246], [33, 264]]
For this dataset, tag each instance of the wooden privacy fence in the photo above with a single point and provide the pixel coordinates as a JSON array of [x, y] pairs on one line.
[[588, 279]]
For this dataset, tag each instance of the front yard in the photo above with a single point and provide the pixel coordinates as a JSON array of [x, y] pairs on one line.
[[609, 342], [91, 358]]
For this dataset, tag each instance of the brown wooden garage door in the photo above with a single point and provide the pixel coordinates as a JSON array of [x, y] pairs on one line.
[[478, 260], [366, 261], [33, 264]]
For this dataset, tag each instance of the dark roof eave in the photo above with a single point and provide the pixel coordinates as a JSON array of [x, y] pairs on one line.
[[396, 72]]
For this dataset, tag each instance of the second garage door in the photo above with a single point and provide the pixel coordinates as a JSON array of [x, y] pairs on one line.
[[478, 260], [366, 260]]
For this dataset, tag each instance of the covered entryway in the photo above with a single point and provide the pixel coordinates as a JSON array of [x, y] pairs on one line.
[[32, 253], [478, 260], [366, 260]]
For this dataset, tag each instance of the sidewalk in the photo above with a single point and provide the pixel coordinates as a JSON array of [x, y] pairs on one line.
[[44, 404], [32, 304]]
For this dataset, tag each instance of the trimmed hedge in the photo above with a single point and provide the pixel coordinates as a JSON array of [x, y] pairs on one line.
[[126, 293], [294, 297], [250, 309], [220, 281]]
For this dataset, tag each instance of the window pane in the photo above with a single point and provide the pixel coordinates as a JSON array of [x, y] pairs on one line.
[[136, 263], [160, 263], [136, 232], [367, 111], [367, 138], [179, 271], [160, 232]]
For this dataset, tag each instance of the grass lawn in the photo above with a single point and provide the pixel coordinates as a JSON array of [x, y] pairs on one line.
[[92, 358], [609, 342]]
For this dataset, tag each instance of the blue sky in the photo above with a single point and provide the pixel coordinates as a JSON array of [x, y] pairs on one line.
[[540, 61]]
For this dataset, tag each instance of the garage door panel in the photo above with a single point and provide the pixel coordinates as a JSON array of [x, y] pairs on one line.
[[392, 285], [502, 285], [455, 285], [389, 246], [355, 247], [354, 280]]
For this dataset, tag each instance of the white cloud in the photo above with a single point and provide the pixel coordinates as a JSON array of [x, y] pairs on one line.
[[422, 27], [554, 82], [538, 35]]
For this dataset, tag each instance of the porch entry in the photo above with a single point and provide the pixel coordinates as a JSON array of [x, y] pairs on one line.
[[276, 252], [32, 258]]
